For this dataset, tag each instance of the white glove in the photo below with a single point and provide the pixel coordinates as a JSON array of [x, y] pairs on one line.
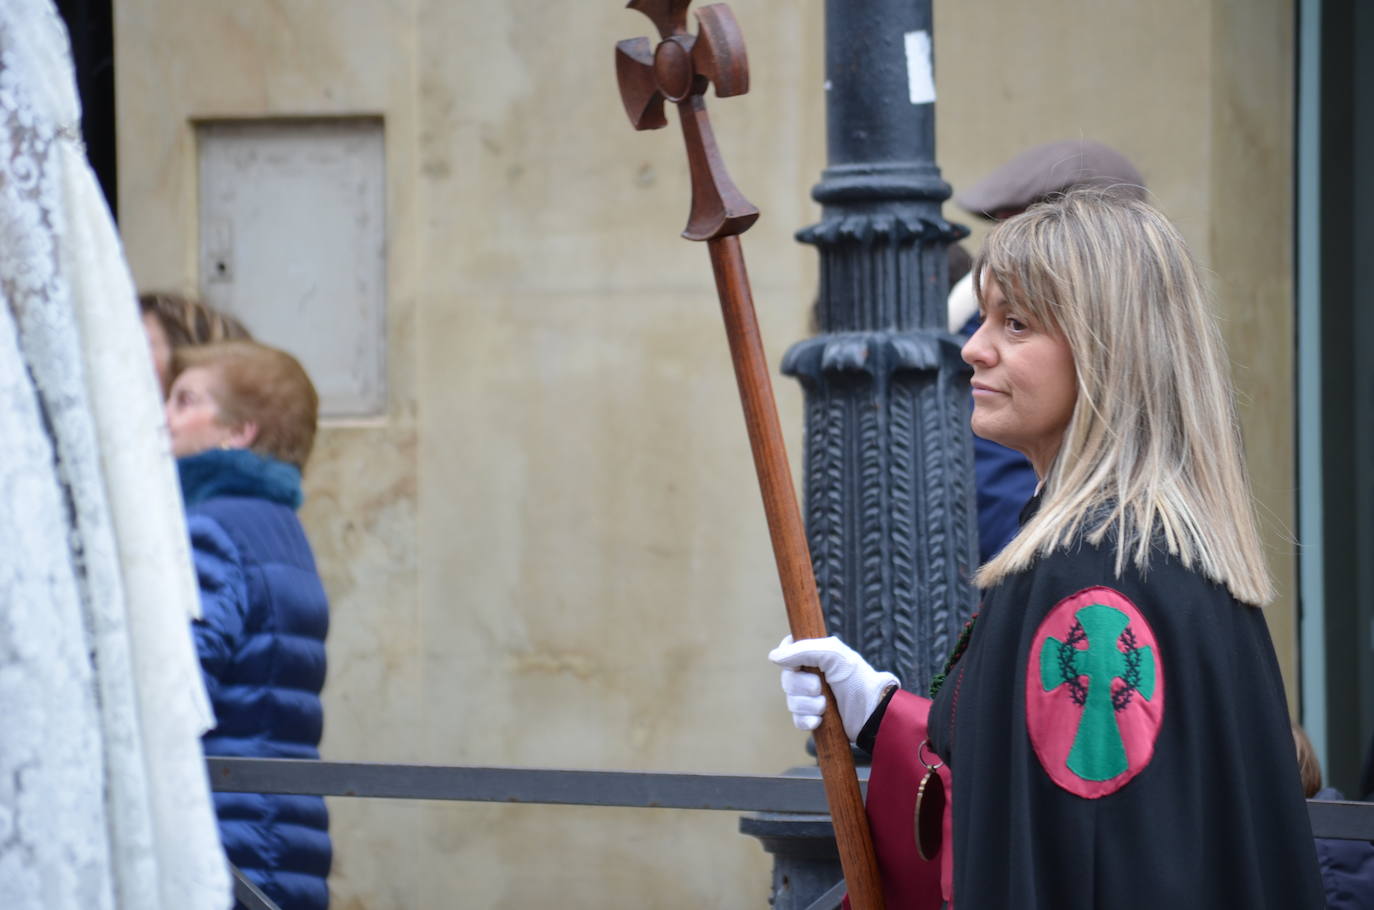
[[858, 687]]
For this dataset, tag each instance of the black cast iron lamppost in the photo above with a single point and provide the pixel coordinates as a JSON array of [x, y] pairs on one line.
[[889, 464]]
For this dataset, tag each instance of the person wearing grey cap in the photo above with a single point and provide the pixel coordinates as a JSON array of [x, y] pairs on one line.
[[1004, 478], [1044, 170]]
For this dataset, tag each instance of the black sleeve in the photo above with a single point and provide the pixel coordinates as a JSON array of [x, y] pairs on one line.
[[868, 736]]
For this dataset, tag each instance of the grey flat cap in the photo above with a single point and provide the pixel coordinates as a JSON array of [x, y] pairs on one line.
[[1051, 168]]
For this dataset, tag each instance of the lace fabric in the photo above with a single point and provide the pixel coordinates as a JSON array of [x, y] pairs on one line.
[[103, 796]]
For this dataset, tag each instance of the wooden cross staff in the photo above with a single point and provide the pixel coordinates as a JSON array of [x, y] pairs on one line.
[[679, 70]]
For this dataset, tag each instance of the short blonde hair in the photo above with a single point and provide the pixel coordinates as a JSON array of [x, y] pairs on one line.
[[1152, 453], [187, 321], [262, 385]]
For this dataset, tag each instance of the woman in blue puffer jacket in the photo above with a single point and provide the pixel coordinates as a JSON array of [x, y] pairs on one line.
[[242, 419]]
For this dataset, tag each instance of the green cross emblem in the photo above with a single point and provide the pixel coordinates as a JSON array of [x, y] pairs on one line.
[[1098, 752]]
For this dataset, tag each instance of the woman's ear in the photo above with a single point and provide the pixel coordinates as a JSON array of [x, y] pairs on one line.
[[243, 436]]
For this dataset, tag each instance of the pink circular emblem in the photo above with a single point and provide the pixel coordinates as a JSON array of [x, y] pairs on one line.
[[1094, 692]]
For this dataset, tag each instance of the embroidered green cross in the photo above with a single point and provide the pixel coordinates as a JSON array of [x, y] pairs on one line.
[[1098, 752]]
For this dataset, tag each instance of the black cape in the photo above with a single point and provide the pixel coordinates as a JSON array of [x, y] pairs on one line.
[[1210, 815]]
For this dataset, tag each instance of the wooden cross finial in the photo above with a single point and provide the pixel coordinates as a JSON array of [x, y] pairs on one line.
[[679, 70]]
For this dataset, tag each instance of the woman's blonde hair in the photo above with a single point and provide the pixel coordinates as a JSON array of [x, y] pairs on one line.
[[1152, 453], [188, 321]]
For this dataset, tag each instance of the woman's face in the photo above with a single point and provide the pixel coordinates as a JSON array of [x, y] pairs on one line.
[[193, 414], [1024, 384], [161, 348]]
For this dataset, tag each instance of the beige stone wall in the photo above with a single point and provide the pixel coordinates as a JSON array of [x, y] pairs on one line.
[[1250, 244], [550, 552]]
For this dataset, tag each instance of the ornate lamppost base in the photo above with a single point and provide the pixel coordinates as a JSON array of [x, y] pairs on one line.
[[806, 862]]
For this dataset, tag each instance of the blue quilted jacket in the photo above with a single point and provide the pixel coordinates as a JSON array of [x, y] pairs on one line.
[[261, 646]]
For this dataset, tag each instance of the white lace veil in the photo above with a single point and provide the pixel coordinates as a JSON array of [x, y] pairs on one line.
[[103, 795]]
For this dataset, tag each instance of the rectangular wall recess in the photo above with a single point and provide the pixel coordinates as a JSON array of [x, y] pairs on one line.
[[293, 243]]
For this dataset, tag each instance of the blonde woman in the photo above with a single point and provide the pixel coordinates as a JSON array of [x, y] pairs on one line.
[[1113, 721]]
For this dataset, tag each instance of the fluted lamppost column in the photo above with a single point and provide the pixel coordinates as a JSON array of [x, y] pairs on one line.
[[889, 460], [889, 483]]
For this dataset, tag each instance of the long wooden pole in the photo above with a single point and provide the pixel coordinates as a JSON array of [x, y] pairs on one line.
[[679, 70], [798, 579]]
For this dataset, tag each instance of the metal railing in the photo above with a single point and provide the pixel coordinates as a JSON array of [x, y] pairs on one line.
[[625, 789], [247, 895]]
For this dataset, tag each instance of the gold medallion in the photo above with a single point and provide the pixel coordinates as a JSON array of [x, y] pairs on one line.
[[930, 809]]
